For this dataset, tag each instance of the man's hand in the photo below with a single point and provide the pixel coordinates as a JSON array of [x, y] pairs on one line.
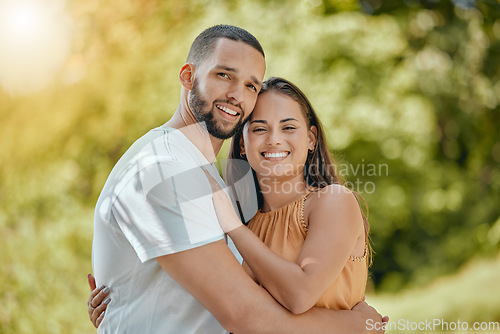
[[375, 323]]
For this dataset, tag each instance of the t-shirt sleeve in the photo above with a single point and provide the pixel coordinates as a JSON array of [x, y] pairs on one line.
[[167, 208]]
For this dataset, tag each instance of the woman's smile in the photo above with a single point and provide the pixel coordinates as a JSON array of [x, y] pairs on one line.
[[275, 155]]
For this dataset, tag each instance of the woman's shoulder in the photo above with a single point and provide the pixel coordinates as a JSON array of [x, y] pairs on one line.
[[334, 202], [331, 193]]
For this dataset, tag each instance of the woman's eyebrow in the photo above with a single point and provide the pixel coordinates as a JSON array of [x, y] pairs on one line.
[[258, 121], [282, 121], [288, 119]]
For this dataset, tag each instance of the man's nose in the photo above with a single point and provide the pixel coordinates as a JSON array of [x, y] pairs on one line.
[[236, 93]]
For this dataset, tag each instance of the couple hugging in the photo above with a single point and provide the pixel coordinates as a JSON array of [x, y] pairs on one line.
[[161, 256]]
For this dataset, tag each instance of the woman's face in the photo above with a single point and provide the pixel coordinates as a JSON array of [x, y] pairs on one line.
[[276, 138]]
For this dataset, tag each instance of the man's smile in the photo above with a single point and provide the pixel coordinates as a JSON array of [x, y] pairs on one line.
[[227, 110]]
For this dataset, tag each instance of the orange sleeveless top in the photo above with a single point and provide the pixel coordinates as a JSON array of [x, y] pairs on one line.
[[284, 231]]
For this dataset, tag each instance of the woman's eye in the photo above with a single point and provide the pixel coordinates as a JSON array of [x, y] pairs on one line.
[[224, 75], [289, 128], [258, 130]]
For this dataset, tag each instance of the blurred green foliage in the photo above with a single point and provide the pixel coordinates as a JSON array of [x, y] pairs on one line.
[[408, 91]]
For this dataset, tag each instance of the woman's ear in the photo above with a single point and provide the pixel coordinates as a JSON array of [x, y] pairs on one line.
[[242, 145], [313, 136], [186, 76]]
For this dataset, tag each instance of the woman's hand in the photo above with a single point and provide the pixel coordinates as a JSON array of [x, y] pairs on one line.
[[228, 219], [95, 304]]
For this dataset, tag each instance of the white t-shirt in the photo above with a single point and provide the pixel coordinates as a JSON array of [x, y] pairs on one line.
[[156, 201]]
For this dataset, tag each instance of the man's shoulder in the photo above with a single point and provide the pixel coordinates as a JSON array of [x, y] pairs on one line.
[[160, 145], [159, 156]]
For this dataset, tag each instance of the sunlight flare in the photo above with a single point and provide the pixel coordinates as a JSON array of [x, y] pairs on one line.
[[35, 39]]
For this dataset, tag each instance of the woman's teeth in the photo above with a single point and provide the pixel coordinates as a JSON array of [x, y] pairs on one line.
[[275, 155]]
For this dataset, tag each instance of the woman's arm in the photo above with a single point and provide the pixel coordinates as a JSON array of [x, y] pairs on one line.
[[335, 225]]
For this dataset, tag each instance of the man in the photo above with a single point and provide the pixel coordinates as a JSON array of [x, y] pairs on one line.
[[157, 242]]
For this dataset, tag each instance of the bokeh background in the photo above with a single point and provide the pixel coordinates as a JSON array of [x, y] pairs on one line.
[[408, 91]]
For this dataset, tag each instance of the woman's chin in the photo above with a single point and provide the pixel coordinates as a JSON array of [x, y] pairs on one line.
[[278, 173]]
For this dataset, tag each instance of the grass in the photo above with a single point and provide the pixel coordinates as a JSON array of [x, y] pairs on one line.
[[471, 295]]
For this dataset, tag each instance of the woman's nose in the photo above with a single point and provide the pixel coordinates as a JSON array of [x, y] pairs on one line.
[[274, 138]]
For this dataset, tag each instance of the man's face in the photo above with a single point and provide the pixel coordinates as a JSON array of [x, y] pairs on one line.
[[226, 86]]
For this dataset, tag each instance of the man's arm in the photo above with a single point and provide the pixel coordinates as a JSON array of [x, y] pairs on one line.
[[214, 277]]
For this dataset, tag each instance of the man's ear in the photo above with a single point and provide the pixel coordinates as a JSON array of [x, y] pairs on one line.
[[186, 76], [313, 135]]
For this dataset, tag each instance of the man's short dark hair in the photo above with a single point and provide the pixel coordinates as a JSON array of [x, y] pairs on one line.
[[204, 44]]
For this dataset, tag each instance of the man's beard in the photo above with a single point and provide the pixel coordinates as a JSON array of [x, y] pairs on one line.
[[197, 105]]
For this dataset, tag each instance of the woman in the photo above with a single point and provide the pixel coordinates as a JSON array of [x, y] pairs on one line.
[[309, 245], [300, 195]]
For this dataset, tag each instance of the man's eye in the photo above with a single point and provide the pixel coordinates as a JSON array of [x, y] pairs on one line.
[[224, 75], [252, 87]]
